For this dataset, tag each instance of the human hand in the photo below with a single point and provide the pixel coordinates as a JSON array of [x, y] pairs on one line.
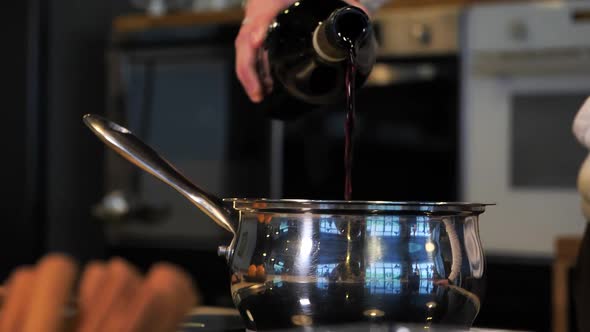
[[112, 296], [35, 297], [258, 15]]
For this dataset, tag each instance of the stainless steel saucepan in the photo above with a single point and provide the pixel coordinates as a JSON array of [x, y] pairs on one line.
[[312, 262]]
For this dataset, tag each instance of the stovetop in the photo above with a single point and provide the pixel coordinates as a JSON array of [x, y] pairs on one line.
[[228, 320]]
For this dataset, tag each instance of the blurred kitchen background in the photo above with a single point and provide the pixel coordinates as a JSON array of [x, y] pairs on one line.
[[469, 100]]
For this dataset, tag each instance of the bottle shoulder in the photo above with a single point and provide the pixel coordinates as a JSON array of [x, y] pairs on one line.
[[301, 78]]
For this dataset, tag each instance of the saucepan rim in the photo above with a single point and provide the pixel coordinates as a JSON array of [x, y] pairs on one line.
[[365, 207]]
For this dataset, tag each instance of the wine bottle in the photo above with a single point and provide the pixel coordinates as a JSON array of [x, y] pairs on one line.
[[306, 55]]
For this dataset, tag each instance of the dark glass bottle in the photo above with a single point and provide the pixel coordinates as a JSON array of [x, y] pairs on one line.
[[308, 48]]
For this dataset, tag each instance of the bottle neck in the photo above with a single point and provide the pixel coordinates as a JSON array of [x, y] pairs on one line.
[[343, 30]]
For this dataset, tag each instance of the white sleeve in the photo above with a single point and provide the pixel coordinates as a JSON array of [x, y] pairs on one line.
[[581, 129], [581, 126]]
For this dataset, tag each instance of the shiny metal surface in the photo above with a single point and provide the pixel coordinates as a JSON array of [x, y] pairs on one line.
[[133, 149], [303, 206], [306, 269], [299, 263]]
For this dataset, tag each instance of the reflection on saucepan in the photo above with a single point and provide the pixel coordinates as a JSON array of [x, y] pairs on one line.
[[420, 269]]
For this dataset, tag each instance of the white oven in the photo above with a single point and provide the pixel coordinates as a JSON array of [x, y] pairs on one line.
[[525, 73]]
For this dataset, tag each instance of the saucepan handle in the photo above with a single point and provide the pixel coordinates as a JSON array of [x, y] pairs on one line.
[[139, 153]]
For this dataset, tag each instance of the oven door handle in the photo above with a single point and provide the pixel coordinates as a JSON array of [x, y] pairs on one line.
[[386, 74], [118, 207]]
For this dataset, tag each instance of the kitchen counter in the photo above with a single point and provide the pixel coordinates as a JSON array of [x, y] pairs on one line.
[[213, 319], [141, 21]]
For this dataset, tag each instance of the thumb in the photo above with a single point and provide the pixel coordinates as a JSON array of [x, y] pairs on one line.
[[358, 4]]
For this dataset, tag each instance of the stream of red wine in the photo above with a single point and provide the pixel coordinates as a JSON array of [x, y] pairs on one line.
[[349, 123]]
